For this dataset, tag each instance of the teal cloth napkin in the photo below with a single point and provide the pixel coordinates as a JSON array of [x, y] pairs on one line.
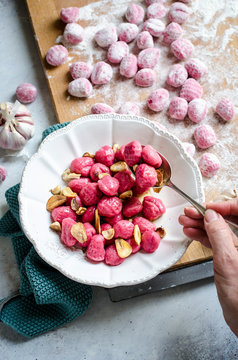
[[47, 299]]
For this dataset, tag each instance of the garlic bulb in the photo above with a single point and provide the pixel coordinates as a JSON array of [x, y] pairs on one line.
[[16, 125]]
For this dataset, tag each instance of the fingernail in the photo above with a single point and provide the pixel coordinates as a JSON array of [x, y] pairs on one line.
[[210, 215], [189, 208]]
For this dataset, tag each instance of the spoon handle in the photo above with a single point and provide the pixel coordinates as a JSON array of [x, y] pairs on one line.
[[198, 206]]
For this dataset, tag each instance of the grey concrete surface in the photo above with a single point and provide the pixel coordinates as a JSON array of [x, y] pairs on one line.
[[183, 323]]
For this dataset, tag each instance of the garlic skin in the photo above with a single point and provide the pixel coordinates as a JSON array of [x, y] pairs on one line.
[[16, 125]]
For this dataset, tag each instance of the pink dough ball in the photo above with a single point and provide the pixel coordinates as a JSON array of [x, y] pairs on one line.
[[153, 208], [158, 99], [128, 66], [102, 73], [125, 179], [123, 229], [76, 185], [132, 152], [135, 247], [89, 214], [117, 51], [81, 165], [108, 185], [106, 36], [172, 32], [177, 75], [90, 232], [196, 68], [135, 14], [149, 2], [151, 157], [145, 77], [148, 58], [189, 148], [156, 11], [111, 256], [209, 165], [197, 110], [66, 237], [62, 212], [204, 136], [80, 69], [145, 40], [129, 108], [225, 109], [70, 14], [146, 176], [191, 89], [80, 88], [101, 108], [26, 93], [90, 194], [105, 155], [150, 241], [112, 220], [178, 108], [56, 55], [105, 226], [182, 48], [98, 169], [143, 224], [73, 33], [95, 249], [178, 13], [132, 207], [120, 153], [3, 173], [154, 26], [127, 32], [109, 206]]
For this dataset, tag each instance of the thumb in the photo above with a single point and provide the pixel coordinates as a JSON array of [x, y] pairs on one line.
[[219, 233]]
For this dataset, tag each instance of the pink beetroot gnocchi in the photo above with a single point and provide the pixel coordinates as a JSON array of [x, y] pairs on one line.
[[148, 58], [129, 108], [98, 169], [191, 89], [111, 256], [196, 68], [120, 153], [209, 165], [197, 110], [135, 14], [109, 206], [101, 108], [76, 185], [105, 156], [88, 216], [225, 109], [126, 181], [56, 55], [26, 93], [150, 241], [80, 88], [95, 249], [151, 157], [80, 69], [66, 237], [132, 207], [106, 36], [204, 136], [117, 51], [153, 208], [90, 194], [70, 14], [63, 212], [128, 66], [178, 108], [145, 40], [156, 11], [145, 77], [144, 224], [112, 220], [178, 13], [154, 26], [90, 231], [127, 32], [177, 75], [102, 73], [73, 33], [108, 185], [123, 229], [182, 48], [132, 152], [158, 99], [172, 32], [146, 176], [82, 165]]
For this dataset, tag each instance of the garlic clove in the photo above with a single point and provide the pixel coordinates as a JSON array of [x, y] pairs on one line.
[[24, 129], [11, 139]]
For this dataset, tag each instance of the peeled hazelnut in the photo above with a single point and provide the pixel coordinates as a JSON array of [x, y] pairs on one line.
[[55, 201], [78, 232], [124, 249], [56, 190], [68, 192], [161, 231], [81, 210], [126, 195], [55, 226], [108, 234], [137, 234], [119, 166], [97, 222]]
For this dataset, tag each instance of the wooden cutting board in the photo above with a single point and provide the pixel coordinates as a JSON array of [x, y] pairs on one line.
[[47, 27]]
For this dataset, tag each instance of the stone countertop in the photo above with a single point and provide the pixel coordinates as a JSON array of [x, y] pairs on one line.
[[180, 323]]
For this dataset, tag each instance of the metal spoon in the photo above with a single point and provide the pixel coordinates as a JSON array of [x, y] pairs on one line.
[[167, 182]]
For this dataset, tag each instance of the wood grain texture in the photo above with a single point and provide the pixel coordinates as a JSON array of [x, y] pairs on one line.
[[47, 27]]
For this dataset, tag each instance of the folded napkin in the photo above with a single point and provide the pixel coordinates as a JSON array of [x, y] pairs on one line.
[[46, 298]]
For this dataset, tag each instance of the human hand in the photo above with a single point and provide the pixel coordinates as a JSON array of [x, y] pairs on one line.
[[213, 232]]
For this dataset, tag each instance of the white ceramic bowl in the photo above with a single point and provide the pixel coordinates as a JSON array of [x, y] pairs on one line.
[[43, 172]]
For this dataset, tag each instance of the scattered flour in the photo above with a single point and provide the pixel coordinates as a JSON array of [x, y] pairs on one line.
[[212, 27]]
